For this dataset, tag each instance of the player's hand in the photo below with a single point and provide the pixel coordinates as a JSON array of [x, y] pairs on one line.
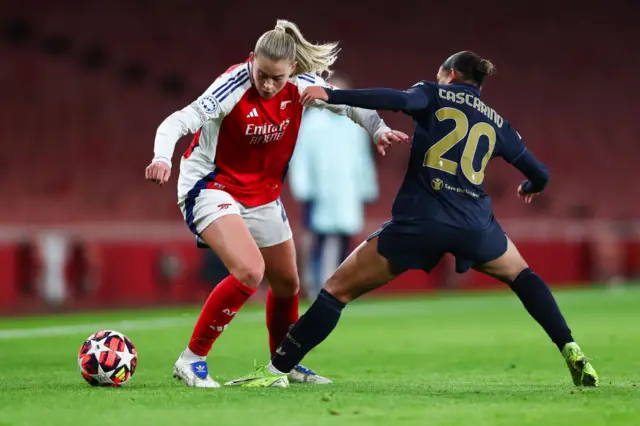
[[157, 172], [389, 138], [313, 93], [526, 197]]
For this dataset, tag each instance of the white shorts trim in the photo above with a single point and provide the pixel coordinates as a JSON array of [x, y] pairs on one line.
[[268, 224]]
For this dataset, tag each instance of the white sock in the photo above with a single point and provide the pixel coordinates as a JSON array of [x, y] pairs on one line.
[[273, 370], [191, 357]]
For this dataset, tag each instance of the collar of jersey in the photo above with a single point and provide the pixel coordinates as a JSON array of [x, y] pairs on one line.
[[471, 87], [249, 64]]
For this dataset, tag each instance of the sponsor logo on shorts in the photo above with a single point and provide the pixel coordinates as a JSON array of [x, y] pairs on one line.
[[224, 206]]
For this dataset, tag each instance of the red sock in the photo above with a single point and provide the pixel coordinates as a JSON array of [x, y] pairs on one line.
[[218, 311], [282, 313]]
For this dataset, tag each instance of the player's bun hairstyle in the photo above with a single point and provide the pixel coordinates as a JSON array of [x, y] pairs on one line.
[[471, 66], [286, 42]]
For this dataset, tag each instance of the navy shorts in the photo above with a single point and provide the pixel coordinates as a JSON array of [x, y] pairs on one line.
[[421, 245]]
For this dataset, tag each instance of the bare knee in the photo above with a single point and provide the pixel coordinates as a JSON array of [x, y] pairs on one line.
[[339, 290], [507, 267], [230, 239], [512, 267], [285, 285], [282, 271], [510, 274], [363, 271], [505, 271], [250, 273]]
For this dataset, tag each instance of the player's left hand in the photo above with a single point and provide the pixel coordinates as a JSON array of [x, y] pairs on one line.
[[312, 93], [526, 197], [389, 138]]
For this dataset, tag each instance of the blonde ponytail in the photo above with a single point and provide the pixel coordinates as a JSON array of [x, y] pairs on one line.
[[286, 42]]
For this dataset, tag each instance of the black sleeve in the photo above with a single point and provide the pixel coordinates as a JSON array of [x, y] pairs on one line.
[[535, 172], [380, 99], [513, 150]]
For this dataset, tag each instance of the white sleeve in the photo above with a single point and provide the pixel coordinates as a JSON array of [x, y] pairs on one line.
[[180, 123], [368, 119], [214, 103]]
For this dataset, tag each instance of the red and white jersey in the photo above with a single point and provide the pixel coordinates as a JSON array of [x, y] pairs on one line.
[[243, 143]]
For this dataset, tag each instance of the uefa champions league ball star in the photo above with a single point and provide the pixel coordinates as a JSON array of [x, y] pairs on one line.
[[107, 358]]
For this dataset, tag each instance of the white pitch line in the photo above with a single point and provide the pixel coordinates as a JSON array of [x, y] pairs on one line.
[[89, 328], [404, 308], [396, 309]]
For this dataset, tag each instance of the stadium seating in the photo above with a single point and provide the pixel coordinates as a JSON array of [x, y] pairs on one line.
[[75, 142]]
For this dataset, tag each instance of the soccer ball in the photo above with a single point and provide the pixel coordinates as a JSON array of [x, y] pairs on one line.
[[107, 358]]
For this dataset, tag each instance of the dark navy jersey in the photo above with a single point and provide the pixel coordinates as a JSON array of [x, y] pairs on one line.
[[455, 136]]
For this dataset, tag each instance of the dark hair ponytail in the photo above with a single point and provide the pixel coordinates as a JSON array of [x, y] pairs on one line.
[[471, 66]]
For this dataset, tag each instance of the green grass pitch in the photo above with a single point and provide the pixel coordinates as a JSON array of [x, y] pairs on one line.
[[445, 360]]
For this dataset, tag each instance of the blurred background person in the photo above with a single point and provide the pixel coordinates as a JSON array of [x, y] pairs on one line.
[[332, 173]]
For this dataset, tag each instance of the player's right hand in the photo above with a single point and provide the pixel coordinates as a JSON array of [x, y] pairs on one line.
[[157, 172], [526, 197]]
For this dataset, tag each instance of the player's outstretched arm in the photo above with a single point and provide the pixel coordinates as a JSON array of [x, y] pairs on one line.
[[377, 99], [368, 118], [380, 133]]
